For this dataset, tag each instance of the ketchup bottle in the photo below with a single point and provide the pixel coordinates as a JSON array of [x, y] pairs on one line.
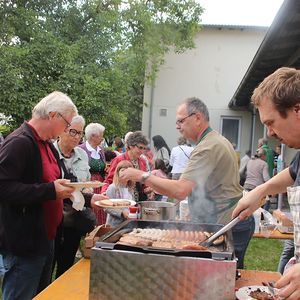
[[133, 210]]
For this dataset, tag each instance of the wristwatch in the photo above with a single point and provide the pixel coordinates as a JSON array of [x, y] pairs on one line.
[[145, 176]]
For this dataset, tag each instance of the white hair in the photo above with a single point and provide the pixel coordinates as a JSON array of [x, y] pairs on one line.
[[78, 120], [93, 129], [54, 102], [127, 136]]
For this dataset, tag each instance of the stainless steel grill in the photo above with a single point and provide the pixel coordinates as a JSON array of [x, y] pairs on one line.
[[126, 272]]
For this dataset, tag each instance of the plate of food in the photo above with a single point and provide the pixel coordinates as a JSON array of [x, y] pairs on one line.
[[115, 203], [85, 184], [259, 292]]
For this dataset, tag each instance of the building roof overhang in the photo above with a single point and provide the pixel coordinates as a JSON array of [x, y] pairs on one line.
[[279, 48]]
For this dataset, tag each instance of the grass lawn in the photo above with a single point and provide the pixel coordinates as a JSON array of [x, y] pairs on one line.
[[263, 254]]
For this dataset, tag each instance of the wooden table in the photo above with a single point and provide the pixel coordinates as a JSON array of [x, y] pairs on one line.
[[276, 234], [74, 284]]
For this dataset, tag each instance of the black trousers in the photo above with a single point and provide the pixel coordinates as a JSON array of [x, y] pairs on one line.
[[67, 242]]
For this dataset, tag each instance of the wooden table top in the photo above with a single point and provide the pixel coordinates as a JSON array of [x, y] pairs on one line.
[[74, 284], [276, 234]]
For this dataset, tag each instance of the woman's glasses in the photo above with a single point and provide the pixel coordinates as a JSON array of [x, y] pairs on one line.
[[74, 132], [141, 147]]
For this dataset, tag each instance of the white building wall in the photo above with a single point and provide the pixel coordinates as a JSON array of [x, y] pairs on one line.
[[212, 71]]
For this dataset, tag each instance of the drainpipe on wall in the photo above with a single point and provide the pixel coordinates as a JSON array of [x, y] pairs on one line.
[[151, 111], [253, 131]]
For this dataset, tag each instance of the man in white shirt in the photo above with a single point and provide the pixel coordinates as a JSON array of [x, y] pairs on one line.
[[243, 165], [179, 157]]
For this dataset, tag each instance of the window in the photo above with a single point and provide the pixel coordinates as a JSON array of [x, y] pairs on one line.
[[231, 129]]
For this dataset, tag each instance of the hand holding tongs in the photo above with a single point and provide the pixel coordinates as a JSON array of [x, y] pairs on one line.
[[209, 241]]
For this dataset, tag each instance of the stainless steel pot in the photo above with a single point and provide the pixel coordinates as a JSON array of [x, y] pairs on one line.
[[156, 210]]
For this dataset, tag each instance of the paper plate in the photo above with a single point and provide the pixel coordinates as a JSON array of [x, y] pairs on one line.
[[85, 184], [244, 292], [103, 204]]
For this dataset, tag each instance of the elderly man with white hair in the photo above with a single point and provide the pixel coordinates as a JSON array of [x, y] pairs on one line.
[[31, 197]]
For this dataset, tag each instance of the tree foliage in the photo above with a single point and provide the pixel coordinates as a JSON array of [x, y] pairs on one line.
[[98, 52]]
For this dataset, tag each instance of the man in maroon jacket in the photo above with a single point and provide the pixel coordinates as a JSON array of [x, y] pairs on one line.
[[31, 197]]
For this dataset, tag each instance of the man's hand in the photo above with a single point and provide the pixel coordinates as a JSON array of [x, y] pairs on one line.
[[289, 284], [97, 197], [63, 191], [125, 214], [247, 205], [131, 174]]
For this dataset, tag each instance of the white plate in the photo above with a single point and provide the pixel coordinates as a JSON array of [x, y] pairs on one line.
[[132, 203], [85, 184], [244, 292]]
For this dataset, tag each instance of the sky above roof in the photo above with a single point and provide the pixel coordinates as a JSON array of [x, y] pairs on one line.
[[240, 12]]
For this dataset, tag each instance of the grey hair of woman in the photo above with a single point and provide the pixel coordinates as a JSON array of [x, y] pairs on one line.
[[194, 105], [137, 137], [93, 129], [54, 102], [78, 120]]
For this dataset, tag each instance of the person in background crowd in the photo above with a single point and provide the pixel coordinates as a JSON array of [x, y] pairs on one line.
[[118, 145], [257, 170], [277, 99], [160, 170], [278, 160], [263, 143], [147, 155], [162, 150], [237, 153], [257, 173], [75, 165], [119, 189], [136, 144], [243, 166], [31, 197], [179, 157], [211, 179], [94, 136], [287, 253]]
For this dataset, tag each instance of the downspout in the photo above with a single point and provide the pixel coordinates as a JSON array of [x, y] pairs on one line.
[[253, 131], [151, 111]]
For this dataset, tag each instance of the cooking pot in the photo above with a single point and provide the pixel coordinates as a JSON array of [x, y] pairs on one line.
[[156, 210]]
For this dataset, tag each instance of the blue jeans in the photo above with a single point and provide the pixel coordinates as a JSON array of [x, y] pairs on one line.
[[242, 233], [286, 255], [2, 269], [25, 277]]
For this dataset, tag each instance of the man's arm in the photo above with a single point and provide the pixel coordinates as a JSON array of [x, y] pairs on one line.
[[252, 200], [178, 189]]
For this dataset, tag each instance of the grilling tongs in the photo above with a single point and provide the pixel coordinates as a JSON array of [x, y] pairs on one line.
[[212, 238]]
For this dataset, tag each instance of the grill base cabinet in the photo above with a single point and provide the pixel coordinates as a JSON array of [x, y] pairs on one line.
[[127, 275]]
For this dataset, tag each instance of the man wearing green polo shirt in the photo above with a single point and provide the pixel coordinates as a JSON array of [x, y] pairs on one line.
[[211, 179]]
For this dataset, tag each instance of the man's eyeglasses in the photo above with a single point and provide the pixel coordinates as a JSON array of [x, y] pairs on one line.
[[141, 147], [181, 121], [74, 132], [68, 124]]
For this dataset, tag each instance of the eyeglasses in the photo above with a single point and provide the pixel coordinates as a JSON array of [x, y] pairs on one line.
[[74, 132], [181, 121], [141, 147], [68, 124]]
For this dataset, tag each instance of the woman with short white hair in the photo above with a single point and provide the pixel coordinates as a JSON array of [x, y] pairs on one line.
[[94, 136]]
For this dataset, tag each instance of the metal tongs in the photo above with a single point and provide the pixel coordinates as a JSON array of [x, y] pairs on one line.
[[212, 238]]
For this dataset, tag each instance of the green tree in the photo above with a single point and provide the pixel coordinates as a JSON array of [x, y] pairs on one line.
[[98, 52]]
